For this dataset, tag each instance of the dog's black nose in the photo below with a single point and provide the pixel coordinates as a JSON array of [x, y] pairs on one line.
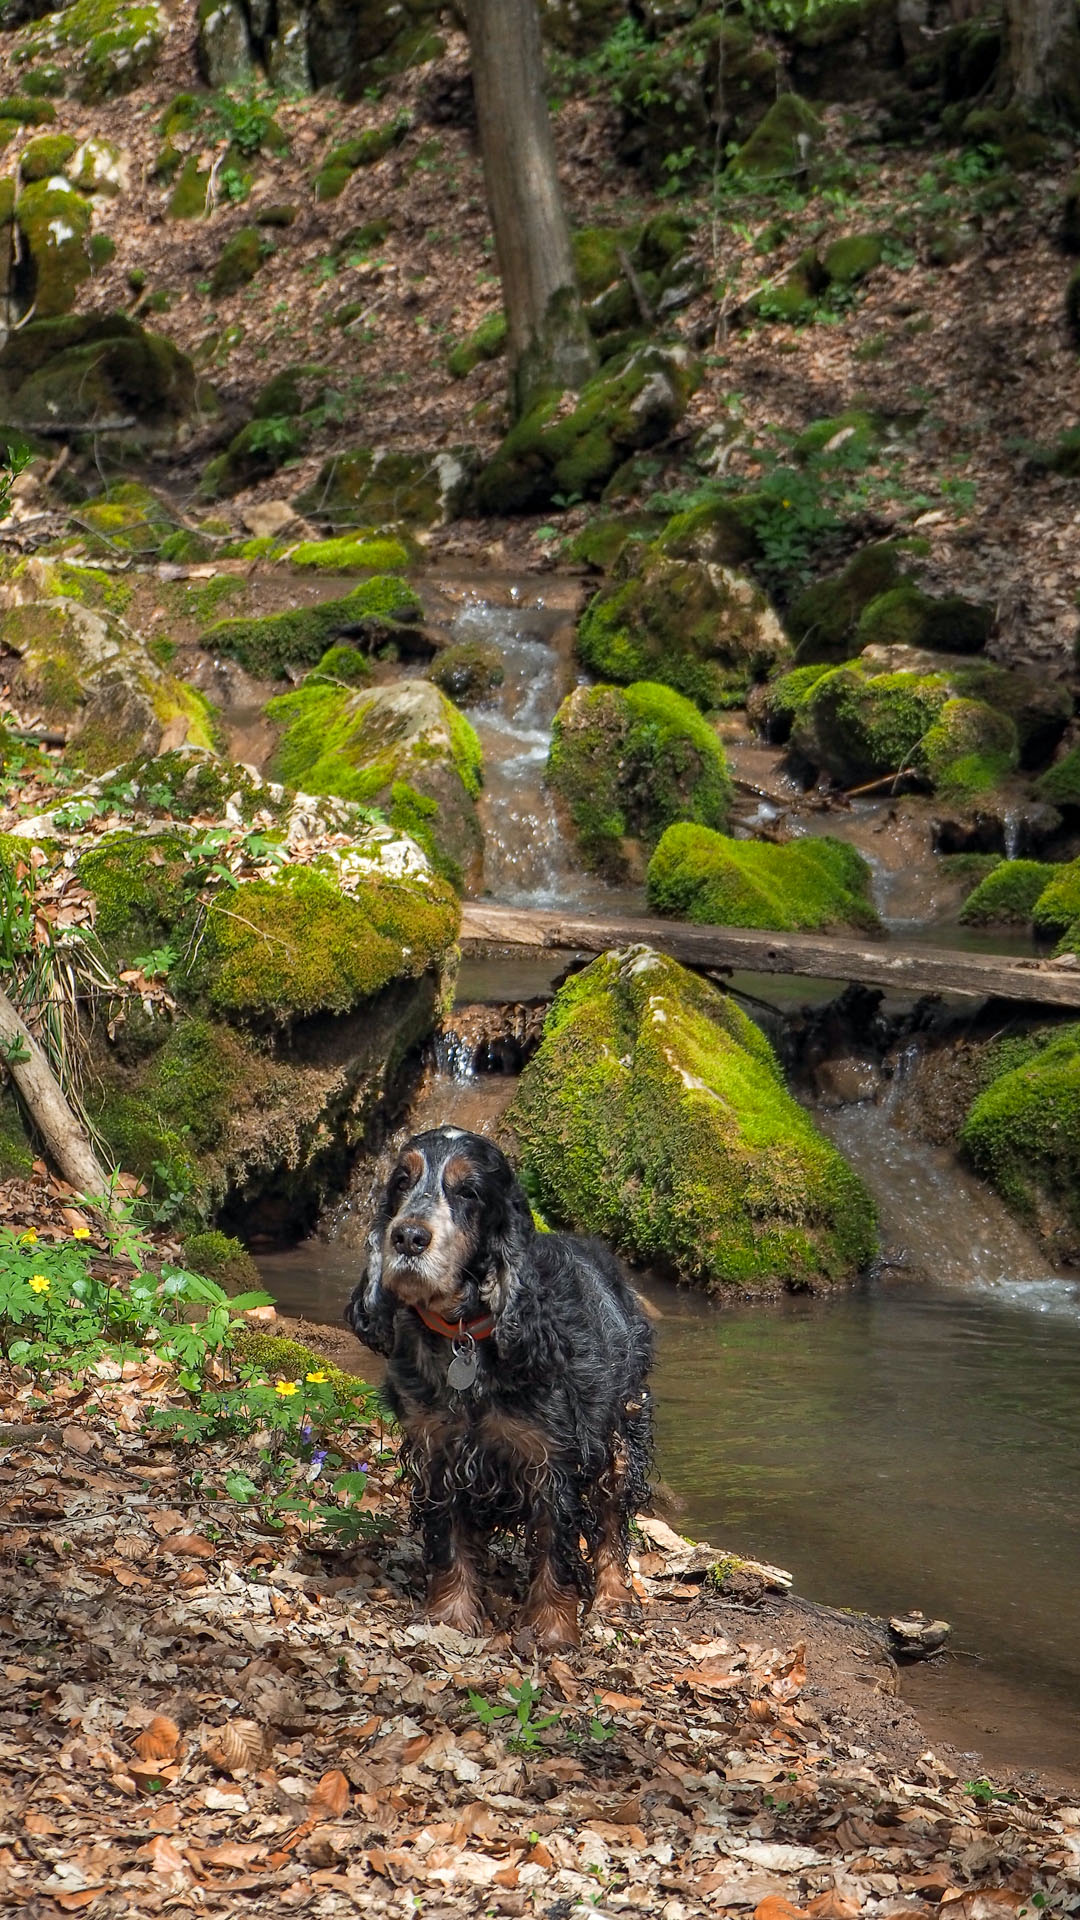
[[410, 1236]]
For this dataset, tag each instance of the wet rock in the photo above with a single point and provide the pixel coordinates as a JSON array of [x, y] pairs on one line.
[[912, 1637], [629, 763], [223, 45], [811, 883], [371, 486], [654, 1113], [469, 671], [846, 1081]]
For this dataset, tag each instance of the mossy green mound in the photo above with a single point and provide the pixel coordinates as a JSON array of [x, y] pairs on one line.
[[772, 707], [127, 518], [1057, 908], [695, 626], [239, 261], [358, 552], [89, 369], [486, 342], [905, 616], [969, 750], [342, 161], [258, 450], [655, 1113], [629, 762], [630, 404], [268, 643], [823, 621], [783, 144], [54, 224], [117, 43], [365, 486], [221, 1258], [858, 726], [806, 884], [469, 671], [404, 747], [46, 155], [853, 258], [1008, 894], [1022, 1133], [714, 72], [1060, 784]]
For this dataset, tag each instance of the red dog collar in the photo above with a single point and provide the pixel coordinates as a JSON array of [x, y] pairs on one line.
[[477, 1329]]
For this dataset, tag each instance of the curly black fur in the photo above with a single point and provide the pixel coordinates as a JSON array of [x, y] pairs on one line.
[[554, 1438]]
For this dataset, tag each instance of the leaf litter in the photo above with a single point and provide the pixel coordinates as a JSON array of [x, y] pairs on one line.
[[205, 1715]]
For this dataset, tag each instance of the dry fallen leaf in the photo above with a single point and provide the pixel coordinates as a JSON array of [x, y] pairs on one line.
[[331, 1797], [775, 1907], [192, 1546], [159, 1740], [237, 1747]]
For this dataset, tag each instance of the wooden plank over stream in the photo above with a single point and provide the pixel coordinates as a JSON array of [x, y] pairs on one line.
[[899, 965]]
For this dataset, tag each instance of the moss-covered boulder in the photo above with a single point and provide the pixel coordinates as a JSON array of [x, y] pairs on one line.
[[858, 725], [258, 450], [469, 671], [701, 83], [342, 161], [969, 749], [364, 551], [378, 610], [783, 144], [356, 45], [46, 155], [1007, 895], [239, 261], [54, 226], [126, 518], [485, 342], [86, 370], [695, 626], [574, 450], [906, 616], [853, 258], [98, 166], [404, 747], [823, 621], [1022, 1133], [116, 43], [655, 1113], [630, 761], [373, 486], [223, 44], [1057, 909], [88, 673], [806, 884]]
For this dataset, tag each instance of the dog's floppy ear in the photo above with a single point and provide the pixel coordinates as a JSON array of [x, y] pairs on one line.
[[370, 1312], [507, 1247]]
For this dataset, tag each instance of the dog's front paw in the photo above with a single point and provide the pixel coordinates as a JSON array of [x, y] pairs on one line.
[[452, 1601], [553, 1620], [613, 1593]]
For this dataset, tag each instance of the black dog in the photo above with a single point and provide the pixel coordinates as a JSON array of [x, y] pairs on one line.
[[518, 1363]]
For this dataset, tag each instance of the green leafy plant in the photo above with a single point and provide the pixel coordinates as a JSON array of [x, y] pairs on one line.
[[522, 1700]]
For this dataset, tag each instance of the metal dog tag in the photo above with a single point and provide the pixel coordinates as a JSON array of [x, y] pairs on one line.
[[464, 1367]]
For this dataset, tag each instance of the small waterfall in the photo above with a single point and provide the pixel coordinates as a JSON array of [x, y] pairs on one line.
[[1012, 829]]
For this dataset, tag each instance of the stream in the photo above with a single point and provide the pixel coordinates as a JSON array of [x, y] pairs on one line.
[[912, 1443]]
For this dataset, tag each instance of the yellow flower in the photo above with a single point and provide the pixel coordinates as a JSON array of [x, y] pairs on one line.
[[39, 1283], [80, 1233], [315, 1379], [29, 1238], [286, 1387], [785, 503]]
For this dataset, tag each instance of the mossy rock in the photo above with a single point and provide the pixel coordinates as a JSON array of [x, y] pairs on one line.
[[87, 369], [299, 946], [654, 1113], [602, 541], [267, 644], [858, 726], [223, 44], [98, 166], [375, 487], [296, 389], [188, 199], [17, 1154], [1007, 895], [1057, 909], [905, 615], [799, 885], [773, 705], [219, 1257], [823, 620], [46, 155], [1060, 784], [1022, 1133], [340, 666], [795, 298], [720, 530], [695, 626], [117, 43], [579, 26], [54, 225], [404, 747], [708, 82], [485, 342], [629, 405], [628, 762], [278, 213], [142, 890], [969, 750], [238, 262], [342, 161], [783, 144], [126, 518], [469, 671], [856, 430], [363, 551], [26, 110], [853, 259], [260, 449]]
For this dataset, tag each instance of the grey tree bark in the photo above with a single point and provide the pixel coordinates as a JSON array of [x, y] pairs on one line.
[[548, 340], [1043, 53], [37, 1086]]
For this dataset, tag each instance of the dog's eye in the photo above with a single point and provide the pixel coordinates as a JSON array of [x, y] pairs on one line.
[[398, 1184], [467, 1190]]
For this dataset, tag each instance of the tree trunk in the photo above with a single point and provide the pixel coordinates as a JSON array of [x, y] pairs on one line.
[[65, 1140], [1043, 53], [548, 340]]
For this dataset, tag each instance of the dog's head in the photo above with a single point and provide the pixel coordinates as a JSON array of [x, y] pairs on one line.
[[453, 1226]]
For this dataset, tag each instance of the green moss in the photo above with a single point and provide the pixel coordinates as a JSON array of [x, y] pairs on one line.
[[41, 82], [905, 616], [223, 1259], [188, 199], [698, 628], [54, 222], [341, 665], [345, 553], [295, 389], [969, 750], [1060, 784], [808, 884], [774, 706], [631, 403], [186, 546], [486, 342], [102, 250], [342, 161], [128, 517], [299, 946], [629, 763], [860, 430], [260, 449], [851, 259], [596, 257], [46, 155], [16, 1152], [655, 1113], [1022, 1134], [823, 621], [1006, 896], [858, 726], [118, 42], [1058, 905], [718, 530], [142, 892], [238, 262], [469, 671], [783, 143], [377, 488], [287, 1360], [268, 643], [27, 110]]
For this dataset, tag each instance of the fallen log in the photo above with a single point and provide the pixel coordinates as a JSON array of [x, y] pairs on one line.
[[902, 966], [65, 1139]]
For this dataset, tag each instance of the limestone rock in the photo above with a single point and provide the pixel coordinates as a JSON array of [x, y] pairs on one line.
[[223, 46]]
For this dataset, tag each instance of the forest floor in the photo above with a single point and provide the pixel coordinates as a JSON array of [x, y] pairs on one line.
[[202, 1713]]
